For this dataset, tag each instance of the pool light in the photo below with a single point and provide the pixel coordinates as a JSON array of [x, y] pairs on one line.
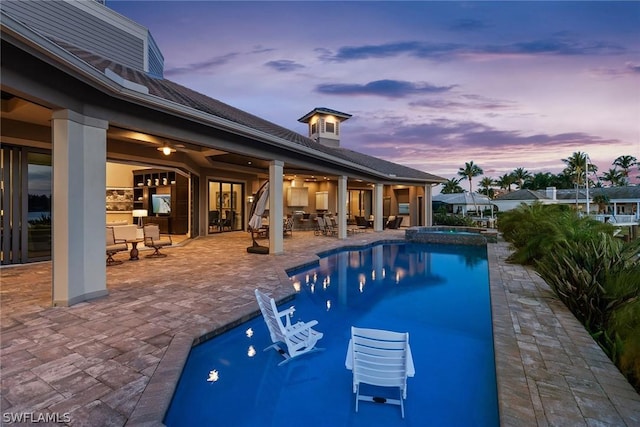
[[213, 376]]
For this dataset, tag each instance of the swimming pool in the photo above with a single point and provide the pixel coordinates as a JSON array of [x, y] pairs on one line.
[[439, 294]]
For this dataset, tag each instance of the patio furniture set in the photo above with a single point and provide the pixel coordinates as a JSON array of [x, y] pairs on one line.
[[118, 238]]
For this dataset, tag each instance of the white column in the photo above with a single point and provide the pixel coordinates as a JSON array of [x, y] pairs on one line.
[[276, 210], [428, 199], [79, 214], [342, 207], [377, 207]]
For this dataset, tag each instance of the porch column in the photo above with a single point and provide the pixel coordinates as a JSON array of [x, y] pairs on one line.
[[377, 207], [342, 207], [79, 214], [428, 205], [276, 211], [413, 206]]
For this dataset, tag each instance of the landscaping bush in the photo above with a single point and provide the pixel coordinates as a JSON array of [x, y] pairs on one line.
[[533, 230], [440, 218]]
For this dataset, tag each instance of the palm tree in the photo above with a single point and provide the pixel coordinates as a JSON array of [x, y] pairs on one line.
[[625, 163], [505, 181], [614, 176], [485, 186], [540, 181], [451, 186], [521, 175], [563, 180], [469, 171], [577, 165]]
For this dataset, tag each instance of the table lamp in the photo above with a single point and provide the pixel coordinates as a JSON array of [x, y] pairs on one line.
[[140, 213]]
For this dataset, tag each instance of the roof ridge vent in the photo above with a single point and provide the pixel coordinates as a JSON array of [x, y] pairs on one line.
[[125, 83]]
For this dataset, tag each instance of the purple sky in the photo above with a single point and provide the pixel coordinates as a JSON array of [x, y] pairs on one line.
[[430, 85]]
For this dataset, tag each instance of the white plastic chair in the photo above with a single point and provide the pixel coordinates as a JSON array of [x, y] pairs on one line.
[[380, 358], [299, 337]]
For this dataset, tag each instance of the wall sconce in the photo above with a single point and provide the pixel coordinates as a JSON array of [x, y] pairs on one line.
[[140, 213], [249, 199], [166, 149]]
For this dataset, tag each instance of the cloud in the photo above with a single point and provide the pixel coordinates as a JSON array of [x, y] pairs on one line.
[[468, 24], [386, 88], [413, 48], [284, 65], [633, 68], [629, 69], [441, 136], [202, 66], [554, 45], [464, 102]]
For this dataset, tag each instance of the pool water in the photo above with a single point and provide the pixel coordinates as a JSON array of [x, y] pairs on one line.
[[437, 293]]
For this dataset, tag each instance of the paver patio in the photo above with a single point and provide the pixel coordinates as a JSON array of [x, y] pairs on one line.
[[112, 361]]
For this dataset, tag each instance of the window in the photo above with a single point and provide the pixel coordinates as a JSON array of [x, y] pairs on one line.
[[330, 127], [314, 128]]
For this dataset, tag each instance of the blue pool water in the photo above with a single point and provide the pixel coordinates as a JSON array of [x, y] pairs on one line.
[[439, 294]]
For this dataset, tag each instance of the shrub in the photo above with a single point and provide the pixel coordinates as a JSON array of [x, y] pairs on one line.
[[452, 220], [533, 230]]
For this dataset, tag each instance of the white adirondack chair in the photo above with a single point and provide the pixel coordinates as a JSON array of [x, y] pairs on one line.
[[380, 358], [299, 337]]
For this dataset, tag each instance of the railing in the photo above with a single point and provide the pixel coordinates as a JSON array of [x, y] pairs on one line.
[[617, 219]]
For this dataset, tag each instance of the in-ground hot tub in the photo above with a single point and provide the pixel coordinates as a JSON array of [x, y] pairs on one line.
[[452, 235]]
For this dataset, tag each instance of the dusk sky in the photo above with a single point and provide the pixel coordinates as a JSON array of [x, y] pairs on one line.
[[430, 85]]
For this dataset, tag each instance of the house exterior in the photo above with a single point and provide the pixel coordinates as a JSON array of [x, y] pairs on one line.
[[623, 206], [87, 114], [463, 203]]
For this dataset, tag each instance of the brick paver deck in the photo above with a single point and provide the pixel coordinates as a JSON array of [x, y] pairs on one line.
[[113, 361]]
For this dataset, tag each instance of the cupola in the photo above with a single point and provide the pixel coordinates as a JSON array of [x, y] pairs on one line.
[[324, 125]]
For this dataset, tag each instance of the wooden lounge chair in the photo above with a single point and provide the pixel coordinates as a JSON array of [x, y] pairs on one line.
[[380, 358], [299, 338], [114, 246], [153, 240]]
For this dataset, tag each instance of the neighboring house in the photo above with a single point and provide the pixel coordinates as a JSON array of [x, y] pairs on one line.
[[463, 203], [623, 206], [85, 109], [513, 199]]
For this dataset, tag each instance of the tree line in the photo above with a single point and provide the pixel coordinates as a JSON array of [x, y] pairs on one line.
[[577, 171]]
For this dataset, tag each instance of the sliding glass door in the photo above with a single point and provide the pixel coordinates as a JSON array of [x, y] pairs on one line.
[[226, 206], [25, 210]]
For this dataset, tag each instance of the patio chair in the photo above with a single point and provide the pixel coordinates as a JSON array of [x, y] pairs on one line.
[[299, 337], [390, 222], [153, 240], [229, 220], [214, 219], [331, 226], [362, 223], [114, 246], [380, 358], [287, 226], [394, 222], [320, 226]]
